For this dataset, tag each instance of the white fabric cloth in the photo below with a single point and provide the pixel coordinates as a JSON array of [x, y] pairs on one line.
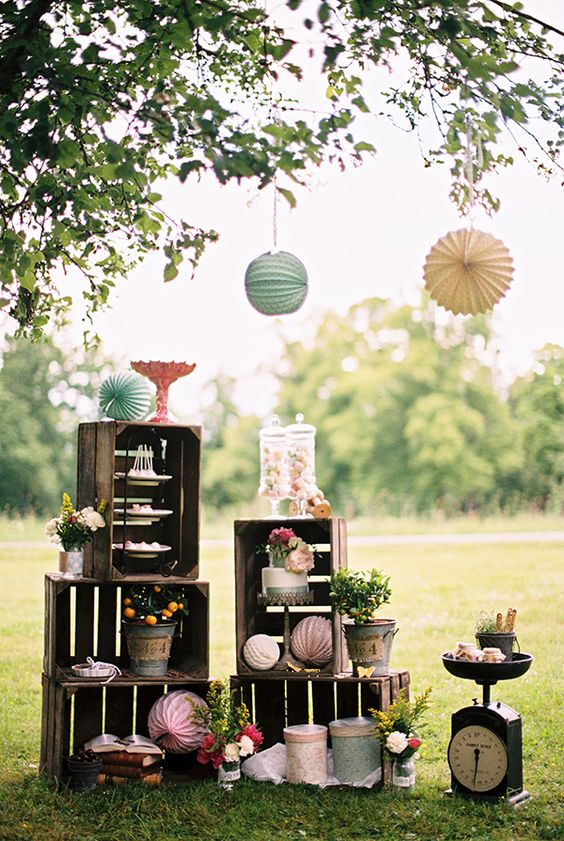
[[269, 766]]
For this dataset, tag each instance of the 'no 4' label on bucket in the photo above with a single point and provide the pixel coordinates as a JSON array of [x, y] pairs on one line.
[[361, 648]]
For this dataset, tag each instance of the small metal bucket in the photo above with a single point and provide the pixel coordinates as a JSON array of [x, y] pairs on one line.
[[370, 646], [149, 647], [504, 640]]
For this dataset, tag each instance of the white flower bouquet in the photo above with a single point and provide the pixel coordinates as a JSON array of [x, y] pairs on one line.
[[74, 529]]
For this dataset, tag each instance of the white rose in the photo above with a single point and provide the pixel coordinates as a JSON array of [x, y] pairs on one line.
[[51, 527], [246, 746], [92, 519], [231, 752], [396, 742], [55, 539]]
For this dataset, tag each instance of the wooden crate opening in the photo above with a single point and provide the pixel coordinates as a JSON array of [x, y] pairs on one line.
[[73, 714], [83, 619], [277, 703], [329, 539], [106, 454]]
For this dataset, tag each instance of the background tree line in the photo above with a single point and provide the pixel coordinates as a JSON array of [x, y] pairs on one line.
[[409, 410]]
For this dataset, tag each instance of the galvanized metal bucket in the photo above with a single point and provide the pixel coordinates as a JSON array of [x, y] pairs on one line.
[[370, 646], [149, 647]]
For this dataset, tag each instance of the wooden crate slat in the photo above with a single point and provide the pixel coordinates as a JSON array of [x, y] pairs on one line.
[[297, 702], [61, 625], [88, 712], [323, 702], [106, 648], [347, 700], [119, 711], [84, 624], [104, 490], [86, 481], [146, 696], [270, 711]]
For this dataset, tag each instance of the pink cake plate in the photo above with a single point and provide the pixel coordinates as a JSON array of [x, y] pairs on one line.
[[162, 374]]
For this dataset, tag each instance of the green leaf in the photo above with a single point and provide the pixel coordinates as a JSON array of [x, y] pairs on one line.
[[288, 195]]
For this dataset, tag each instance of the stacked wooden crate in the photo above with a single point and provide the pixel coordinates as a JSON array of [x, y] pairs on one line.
[[281, 698], [83, 616]]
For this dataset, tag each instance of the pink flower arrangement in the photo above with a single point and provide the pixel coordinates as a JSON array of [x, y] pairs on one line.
[[231, 735], [285, 546]]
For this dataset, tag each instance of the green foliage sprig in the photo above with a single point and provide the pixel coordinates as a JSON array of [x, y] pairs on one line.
[[402, 717], [359, 594]]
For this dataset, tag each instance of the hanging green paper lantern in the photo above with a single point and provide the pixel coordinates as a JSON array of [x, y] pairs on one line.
[[276, 283], [125, 396]]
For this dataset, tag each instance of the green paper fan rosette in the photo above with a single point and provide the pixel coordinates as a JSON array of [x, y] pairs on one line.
[[125, 396]]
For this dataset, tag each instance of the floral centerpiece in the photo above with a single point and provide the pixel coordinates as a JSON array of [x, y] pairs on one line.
[[74, 529], [231, 735], [395, 728], [154, 603], [285, 549]]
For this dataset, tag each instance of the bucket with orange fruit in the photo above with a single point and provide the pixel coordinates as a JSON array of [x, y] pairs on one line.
[[150, 618]]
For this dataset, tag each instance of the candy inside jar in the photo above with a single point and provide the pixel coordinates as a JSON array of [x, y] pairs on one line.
[[301, 459], [274, 473]]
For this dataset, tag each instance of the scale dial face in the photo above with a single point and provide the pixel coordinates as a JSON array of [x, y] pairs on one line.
[[478, 758]]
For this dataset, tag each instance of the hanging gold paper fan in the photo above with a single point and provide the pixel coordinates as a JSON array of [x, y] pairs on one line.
[[468, 271]]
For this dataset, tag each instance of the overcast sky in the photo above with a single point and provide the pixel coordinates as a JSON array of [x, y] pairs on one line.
[[361, 233]]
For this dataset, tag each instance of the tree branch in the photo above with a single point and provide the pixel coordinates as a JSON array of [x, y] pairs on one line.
[[507, 7]]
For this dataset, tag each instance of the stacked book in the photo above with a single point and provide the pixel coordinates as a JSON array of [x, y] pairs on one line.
[[134, 757]]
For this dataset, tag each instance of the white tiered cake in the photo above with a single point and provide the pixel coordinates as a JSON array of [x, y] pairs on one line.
[[277, 580]]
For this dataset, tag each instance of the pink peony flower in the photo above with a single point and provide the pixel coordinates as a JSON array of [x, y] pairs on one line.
[[253, 733], [299, 560], [280, 536], [414, 742], [208, 743]]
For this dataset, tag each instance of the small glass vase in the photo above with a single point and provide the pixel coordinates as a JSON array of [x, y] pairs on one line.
[[71, 563], [228, 773], [403, 774]]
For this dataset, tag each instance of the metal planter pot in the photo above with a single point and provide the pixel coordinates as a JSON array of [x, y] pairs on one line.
[[370, 645], [149, 647]]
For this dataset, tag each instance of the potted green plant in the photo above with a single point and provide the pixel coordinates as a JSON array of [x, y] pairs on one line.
[[150, 619], [495, 631], [357, 595]]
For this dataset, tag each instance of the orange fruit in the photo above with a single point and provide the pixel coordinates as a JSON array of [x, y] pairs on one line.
[[167, 613], [151, 620], [127, 602], [172, 606], [180, 606], [157, 588], [129, 613]]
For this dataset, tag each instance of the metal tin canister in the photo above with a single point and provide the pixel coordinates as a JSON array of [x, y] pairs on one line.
[[356, 749], [306, 753]]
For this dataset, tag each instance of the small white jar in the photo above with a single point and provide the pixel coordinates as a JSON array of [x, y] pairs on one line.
[[306, 753]]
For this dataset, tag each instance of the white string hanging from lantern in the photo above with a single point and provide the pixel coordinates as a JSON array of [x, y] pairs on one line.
[[468, 271]]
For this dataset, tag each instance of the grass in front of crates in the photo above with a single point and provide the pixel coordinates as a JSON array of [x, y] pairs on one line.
[[436, 589]]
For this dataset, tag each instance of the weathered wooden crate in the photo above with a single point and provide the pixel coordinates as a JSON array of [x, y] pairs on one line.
[[329, 538], [83, 619], [74, 712], [108, 448], [278, 701]]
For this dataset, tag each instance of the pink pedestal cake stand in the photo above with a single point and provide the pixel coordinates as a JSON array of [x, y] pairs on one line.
[[162, 374]]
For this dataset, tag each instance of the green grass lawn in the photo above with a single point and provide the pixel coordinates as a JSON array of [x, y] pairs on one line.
[[435, 591]]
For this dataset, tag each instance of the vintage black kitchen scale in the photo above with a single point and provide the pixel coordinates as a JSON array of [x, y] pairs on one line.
[[485, 749]]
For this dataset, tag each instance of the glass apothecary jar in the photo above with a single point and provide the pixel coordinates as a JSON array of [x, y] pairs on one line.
[[274, 472], [301, 461]]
